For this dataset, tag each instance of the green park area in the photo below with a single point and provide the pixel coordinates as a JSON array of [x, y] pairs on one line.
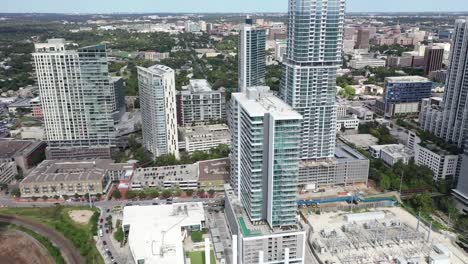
[[198, 257], [58, 218]]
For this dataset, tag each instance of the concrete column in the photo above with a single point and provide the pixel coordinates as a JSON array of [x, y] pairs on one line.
[[207, 251], [286, 256], [234, 249], [260, 257]]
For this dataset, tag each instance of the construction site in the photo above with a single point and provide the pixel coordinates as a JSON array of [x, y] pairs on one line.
[[382, 235]]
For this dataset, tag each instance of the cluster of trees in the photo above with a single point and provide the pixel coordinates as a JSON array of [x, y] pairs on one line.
[[392, 50], [347, 92], [345, 80], [379, 131], [273, 76], [221, 151], [151, 193], [408, 176]]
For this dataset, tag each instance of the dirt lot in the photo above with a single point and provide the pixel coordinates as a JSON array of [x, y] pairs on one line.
[[20, 248], [81, 216]]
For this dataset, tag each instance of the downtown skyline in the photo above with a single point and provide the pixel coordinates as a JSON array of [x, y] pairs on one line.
[[210, 6]]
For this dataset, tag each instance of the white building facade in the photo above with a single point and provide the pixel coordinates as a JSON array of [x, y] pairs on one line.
[[158, 107]]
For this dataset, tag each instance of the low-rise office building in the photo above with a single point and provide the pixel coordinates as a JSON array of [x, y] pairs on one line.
[[443, 163], [203, 138], [67, 178], [346, 168], [207, 174], [363, 113], [348, 122], [392, 153], [198, 103], [403, 95]]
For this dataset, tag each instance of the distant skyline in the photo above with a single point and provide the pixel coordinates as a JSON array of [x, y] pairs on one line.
[[209, 6]]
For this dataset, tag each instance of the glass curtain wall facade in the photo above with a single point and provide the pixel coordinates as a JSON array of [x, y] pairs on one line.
[[252, 57], [313, 56], [265, 157], [76, 96]]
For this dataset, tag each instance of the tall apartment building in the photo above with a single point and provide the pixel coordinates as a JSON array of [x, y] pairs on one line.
[[158, 109], [363, 39], [252, 57], [455, 115], [118, 98], [76, 98], [261, 207], [198, 103], [433, 59], [265, 155], [315, 32]]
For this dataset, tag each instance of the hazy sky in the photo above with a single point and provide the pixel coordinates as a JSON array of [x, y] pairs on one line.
[[109, 6]]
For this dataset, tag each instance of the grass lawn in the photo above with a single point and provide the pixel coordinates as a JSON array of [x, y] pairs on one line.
[[198, 257], [57, 217]]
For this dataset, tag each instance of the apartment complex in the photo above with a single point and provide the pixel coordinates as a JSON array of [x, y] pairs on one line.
[[66, 178], [158, 108], [198, 103], [77, 99], [313, 57], [265, 155], [252, 57]]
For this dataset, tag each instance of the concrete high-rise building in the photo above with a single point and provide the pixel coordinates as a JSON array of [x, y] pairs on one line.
[[77, 100], [261, 207], [433, 59], [265, 155], [158, 109], [363, 39], [455, 115], [252, 57], [198, 103], [313, 57]]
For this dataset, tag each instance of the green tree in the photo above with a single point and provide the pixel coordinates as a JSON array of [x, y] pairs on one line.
[[189, 192], [166, 193], [166, 160], [201, 192], [116, 194], [16, 192], [211, 192]]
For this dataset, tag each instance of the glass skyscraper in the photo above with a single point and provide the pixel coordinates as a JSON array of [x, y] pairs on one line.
[[77, 99], [252, 64], [265, 156], [313, 57]]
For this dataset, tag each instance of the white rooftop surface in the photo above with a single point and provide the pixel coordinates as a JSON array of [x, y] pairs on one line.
[[258, 101], [149, 223], [406, 79]]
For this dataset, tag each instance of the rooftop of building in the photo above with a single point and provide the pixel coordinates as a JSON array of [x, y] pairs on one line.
[[248, 228], [258, 101], [198, 86], [66, 170], [157, 69], [13, 148], [398, 150], [25, 102], [114, 79], [363, 141], [343, 153], [202, 132], [186, 172], [407, 79], [156, 231], [214, 170]]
